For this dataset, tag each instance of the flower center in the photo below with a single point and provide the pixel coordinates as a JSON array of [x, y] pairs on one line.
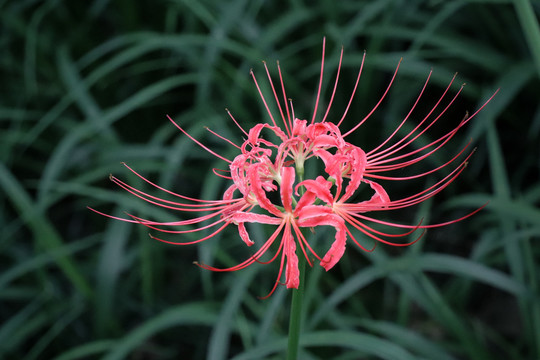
[[259, 171]]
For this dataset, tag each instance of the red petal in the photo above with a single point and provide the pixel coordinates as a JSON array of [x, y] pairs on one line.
[[241, 217], [287, 180], [292, 274], [321, 215], [256, 188], [320, 187], [244, 234], [379, 198], [358, 167]]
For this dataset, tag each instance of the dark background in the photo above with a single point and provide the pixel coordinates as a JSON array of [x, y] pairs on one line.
[[87, 85]]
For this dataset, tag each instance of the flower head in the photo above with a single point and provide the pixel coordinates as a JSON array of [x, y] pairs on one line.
[[272, 160]]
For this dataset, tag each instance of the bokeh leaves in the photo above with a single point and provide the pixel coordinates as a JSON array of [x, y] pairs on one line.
[[86, 86]]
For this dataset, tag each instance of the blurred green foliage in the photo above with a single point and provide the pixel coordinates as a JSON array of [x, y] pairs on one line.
[[86, 85]]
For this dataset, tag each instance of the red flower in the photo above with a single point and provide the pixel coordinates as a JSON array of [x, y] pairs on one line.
[[264, 166]]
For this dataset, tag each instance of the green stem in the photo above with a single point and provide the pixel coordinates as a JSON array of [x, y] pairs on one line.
[[295, 321]]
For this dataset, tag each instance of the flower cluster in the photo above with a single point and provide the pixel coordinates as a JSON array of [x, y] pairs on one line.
[[272, 160]]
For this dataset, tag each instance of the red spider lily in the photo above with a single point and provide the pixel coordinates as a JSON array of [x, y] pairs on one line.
[[264, 166]]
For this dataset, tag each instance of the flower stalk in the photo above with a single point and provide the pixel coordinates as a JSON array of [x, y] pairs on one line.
[[296, 318]]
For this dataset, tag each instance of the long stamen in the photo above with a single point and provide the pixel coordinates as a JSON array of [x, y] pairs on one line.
[[285, 100], [197, 141], [406, 117], [169, 191], [376, 105], [194, 241], [320, 83], [335, 87], [354, 90], [392, 149], [236, 122], [222, 137], [408, 163], [262, 97], [173, 205], [277, 99]]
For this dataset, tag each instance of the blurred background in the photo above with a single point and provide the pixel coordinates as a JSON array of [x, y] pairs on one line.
[[86, 85]]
